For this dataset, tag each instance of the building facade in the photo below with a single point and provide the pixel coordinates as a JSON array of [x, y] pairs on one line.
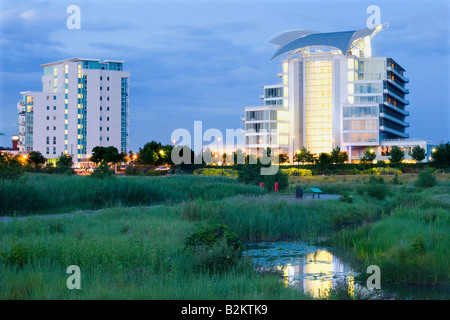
[[84, 103], [332, 93]]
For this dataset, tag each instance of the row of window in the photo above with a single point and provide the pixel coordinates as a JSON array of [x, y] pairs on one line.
[[48, 150], [48, 140]]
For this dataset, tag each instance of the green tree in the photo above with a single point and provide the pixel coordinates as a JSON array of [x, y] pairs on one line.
[[397, 155], [154, 153], [35, 159], [441, 155], [304, 156], [283, 158], [10, 167], [369, 155], [338, 157], [64, 164], [418, 153], [323, 160], [108, 154]]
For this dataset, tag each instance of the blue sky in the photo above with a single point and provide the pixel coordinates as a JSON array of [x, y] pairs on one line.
[[206, 60]]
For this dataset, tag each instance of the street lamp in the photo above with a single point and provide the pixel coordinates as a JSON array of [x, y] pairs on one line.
[[293, 137]]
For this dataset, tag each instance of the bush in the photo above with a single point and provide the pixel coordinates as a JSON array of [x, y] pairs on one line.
[[102, 171], [215, 248], [17, 255], [376, 189], [251, 174], [215, 172], [346, 198], [10, 167], [425, 179], [382, 170], [131, 171], [297, 172]]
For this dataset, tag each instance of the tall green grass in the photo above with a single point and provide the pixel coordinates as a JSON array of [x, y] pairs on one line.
[[55, 194], [410, 243], [123, 254]]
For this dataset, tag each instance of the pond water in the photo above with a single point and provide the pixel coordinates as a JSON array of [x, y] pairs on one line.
[[316, 269]]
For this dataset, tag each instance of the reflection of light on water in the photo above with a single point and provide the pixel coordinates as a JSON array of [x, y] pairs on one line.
[[317, 275]]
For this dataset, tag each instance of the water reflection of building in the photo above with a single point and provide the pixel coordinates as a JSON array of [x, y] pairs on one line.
[[317, 274]]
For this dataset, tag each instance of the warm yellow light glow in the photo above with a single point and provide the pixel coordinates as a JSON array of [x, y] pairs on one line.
[[285, 79], [285, 67], [350, 63], [351, 76], [24, 156], [135, 157], [283, 140], [318, 115], [161, 152], [434, 150], [285, 92], [283, 116]]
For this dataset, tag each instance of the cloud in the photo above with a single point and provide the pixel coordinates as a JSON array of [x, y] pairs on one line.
[[29, 15]]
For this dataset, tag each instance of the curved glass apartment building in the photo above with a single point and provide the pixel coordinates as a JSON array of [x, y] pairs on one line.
[[332, 93]]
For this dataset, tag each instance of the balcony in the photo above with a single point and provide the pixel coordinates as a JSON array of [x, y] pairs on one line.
[[390, 130], [388, 117], [390, 105], [399, 87], [406, 102], [404, 79]]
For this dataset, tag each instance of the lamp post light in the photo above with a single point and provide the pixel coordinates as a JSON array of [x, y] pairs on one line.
[[293, 137]]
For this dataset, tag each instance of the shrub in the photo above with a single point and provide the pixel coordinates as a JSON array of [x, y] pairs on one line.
[[425, 179], [17, 255], [211, 235], [10, 167], [215, 172], [376, 189], [383, 170], [297, 172], [251, 174], [346, 198], [131, 171], [102, 171], [215, 248]]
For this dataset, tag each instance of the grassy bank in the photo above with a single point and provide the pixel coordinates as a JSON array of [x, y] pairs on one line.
[[137, 253], [39, 193], [123, 254]]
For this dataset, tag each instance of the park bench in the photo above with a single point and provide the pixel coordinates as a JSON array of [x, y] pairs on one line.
[[316, 191]]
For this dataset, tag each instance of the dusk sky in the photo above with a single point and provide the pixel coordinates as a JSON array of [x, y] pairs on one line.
[[206, 60]]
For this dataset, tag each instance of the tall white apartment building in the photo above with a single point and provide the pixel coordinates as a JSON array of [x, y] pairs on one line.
[[332, 93], [83, 104]]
